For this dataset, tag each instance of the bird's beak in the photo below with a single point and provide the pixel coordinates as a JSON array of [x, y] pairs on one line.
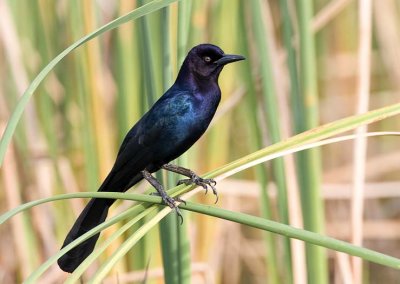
[[229, 58]]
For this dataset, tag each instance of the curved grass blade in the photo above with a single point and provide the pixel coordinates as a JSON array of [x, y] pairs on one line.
[[134, 211], [128, 244], [291, 232], [17, 113], [312, 135], [94, 255], [115, 195]]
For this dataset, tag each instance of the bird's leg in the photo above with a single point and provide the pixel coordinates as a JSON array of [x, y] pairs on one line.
[[193, 178], [164, 196]]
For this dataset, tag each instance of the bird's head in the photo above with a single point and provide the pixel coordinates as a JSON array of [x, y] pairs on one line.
[[207, 60]]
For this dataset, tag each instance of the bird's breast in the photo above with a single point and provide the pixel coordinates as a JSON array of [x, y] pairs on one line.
[[203, 112], [191, 120], [180, 122]]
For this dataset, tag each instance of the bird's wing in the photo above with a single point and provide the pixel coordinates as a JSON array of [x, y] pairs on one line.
[[140, 145], [166, 118], [128, 165]]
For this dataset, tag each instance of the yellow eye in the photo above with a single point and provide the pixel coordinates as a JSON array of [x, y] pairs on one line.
[[207, 59]]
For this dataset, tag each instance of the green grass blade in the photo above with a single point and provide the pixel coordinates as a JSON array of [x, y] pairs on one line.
[[184, 16], [292, 65], [309, 162], [116, 195], [291, 232], [38, 272], [271, 107], [128, 244]]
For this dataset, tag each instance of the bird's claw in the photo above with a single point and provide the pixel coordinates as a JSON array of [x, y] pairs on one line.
[[203, 182], [170, 202]]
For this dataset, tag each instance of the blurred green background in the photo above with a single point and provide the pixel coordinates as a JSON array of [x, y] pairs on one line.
[[302, 70]]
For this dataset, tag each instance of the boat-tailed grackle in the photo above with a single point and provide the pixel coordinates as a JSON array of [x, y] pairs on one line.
[[172, 125]]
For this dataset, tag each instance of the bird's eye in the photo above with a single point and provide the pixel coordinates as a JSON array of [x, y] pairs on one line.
[[207, 59]]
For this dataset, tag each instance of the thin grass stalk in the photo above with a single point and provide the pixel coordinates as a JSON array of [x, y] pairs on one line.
[[344, 268], [265, 44], [166, 50], [271, 113], [295, 217], [96, 94], [86, 128], [21, 230], [147, 55], [45, 104], [360, 144], [169, 248], [127, 76], [12, 50], [261, 173], [309, 162], [270, 102], [292, 232], [184, 24]]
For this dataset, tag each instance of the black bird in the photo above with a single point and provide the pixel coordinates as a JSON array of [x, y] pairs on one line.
[[173, 124]]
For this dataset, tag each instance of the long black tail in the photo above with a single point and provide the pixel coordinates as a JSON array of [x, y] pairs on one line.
[[94, 214]]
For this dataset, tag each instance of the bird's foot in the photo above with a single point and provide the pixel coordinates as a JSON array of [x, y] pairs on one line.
[[170, 202], [203, 182], [161, 192], [193, 178]]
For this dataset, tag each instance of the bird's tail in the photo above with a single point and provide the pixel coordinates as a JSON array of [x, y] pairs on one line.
[[94, 214]]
